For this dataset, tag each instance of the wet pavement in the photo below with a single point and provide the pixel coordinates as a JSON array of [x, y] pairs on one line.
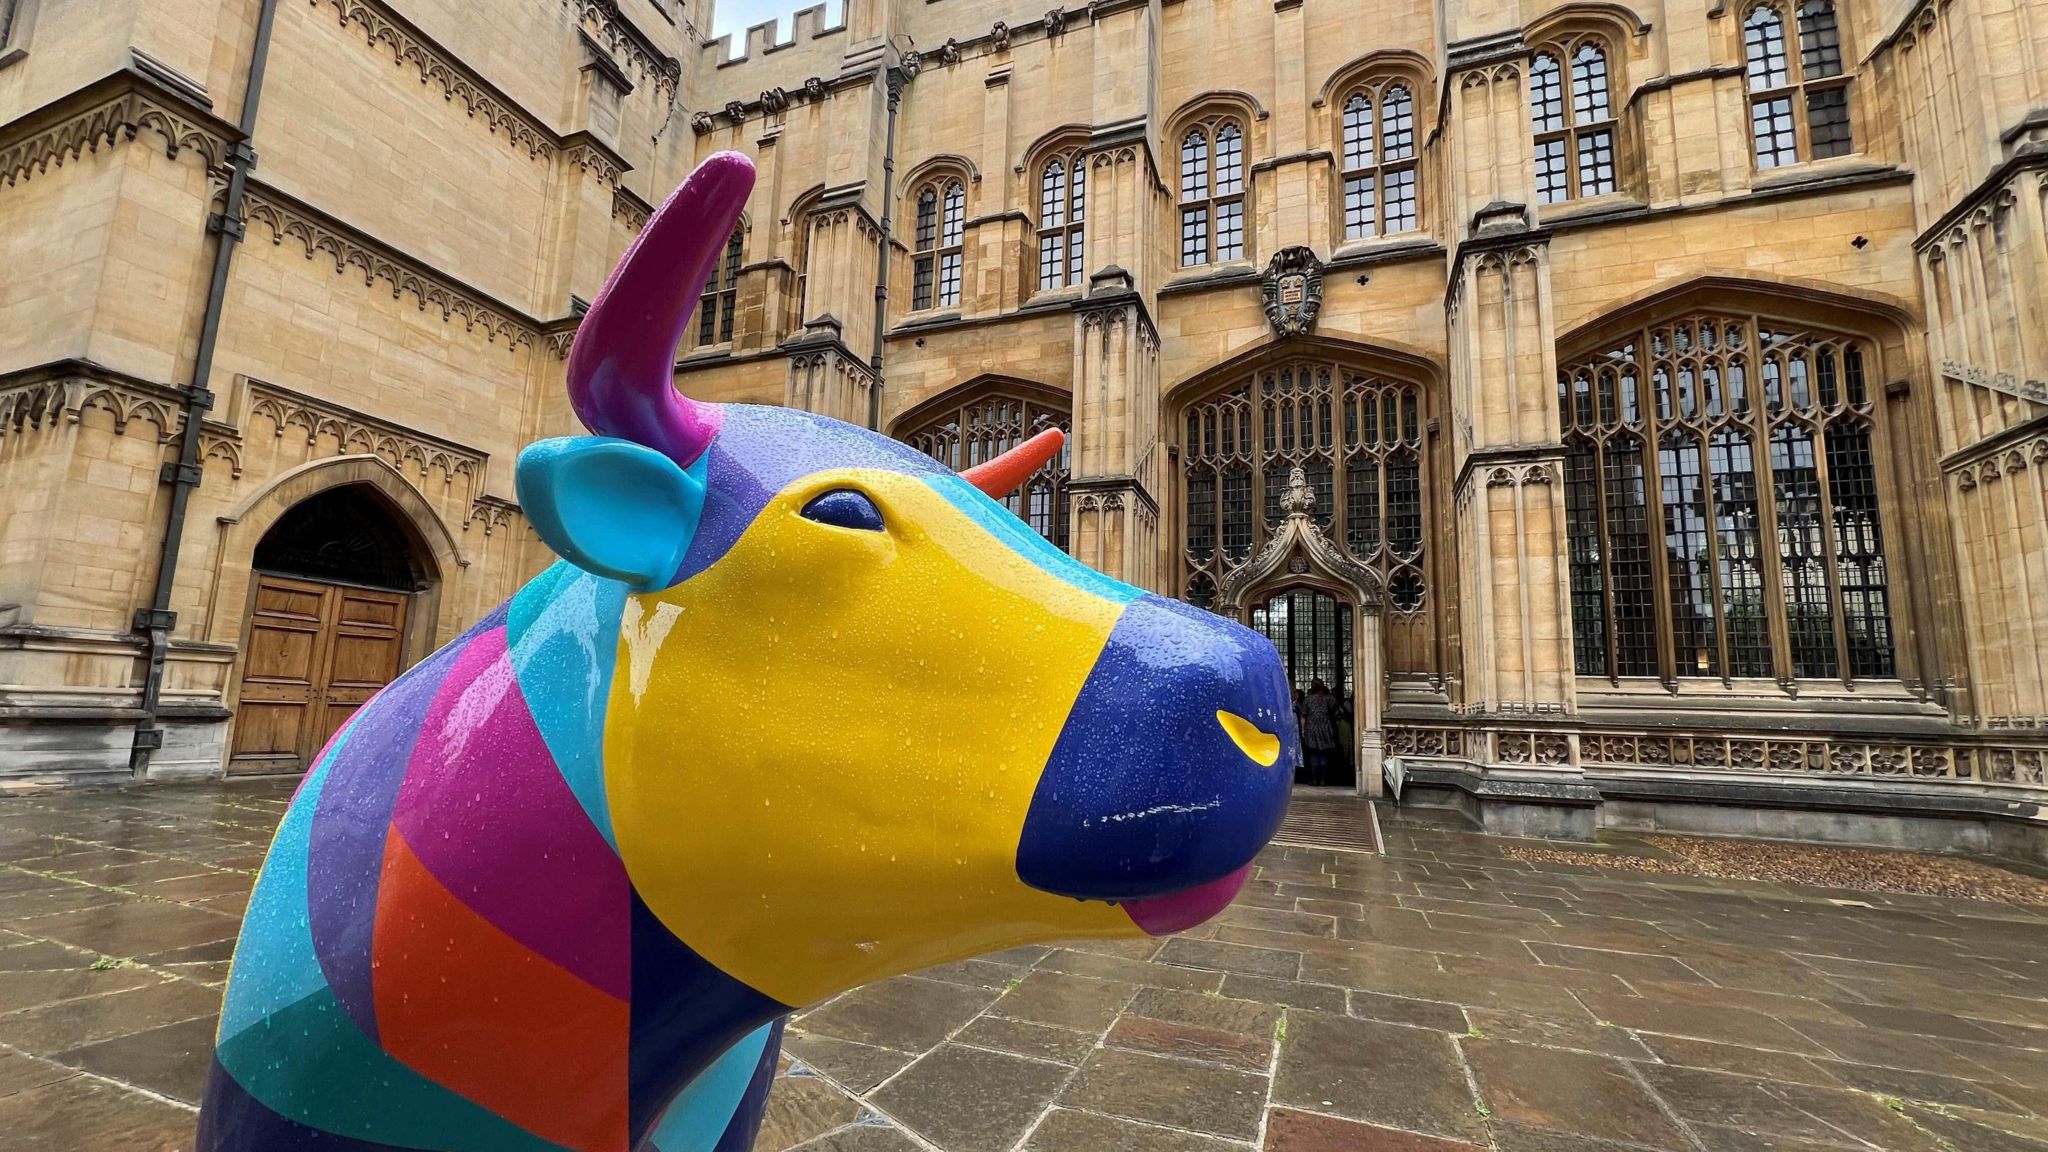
[[1459, 992]]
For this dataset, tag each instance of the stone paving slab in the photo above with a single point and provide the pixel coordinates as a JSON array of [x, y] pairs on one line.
[[1459, 993]]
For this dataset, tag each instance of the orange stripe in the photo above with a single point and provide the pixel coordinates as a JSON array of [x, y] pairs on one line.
[[469, 1007]]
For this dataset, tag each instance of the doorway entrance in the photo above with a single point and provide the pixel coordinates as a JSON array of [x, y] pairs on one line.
[[1311, 629], [334, 584]]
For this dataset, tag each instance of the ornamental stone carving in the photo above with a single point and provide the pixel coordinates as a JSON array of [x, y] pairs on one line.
[[1299, 537], [1294, 291]]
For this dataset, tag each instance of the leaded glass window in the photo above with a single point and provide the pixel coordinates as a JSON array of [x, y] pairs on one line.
[[937, 245], [1359, 439], [1379, 162], [987, 422], [1212, 193], [1748, 543], [1062, 206], [715, 309], [1798, 103], [1574, 122]]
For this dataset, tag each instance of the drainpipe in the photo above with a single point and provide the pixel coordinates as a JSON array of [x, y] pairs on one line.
[[895, 81], [157, 620]]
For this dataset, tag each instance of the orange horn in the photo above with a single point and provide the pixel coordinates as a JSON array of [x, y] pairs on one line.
[[1008, 472]]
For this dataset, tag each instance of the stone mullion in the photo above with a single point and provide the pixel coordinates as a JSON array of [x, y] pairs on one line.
[[1769, 549]]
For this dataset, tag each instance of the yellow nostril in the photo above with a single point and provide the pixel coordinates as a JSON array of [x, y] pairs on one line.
[[1260, 746]]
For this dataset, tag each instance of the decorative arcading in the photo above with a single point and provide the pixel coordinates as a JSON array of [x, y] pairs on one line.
[[1805, 755], [594, 160], [117, 120], [355, 433], [602, 19], [286, 220], [628, 210], [47, 403], [381, 26]]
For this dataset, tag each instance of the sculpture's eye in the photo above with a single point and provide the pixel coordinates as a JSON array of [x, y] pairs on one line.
[[845, 508]]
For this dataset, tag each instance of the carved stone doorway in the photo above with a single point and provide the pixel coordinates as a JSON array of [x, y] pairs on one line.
[[1301, 564]]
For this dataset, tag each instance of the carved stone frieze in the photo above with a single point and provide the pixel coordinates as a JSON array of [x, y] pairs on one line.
[[602, 19], [283, 410], [381, 26], [118, 119], [596, 162], [286, 220], [49, 403], [628, 210]]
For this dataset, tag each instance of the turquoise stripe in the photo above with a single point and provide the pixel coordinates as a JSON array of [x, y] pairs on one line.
[[703, 1110], [274, 965], [1018, 535], [310, 1064], [563, 659]]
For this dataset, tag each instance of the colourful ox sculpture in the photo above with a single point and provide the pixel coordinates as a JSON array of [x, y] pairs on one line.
[[800, 709]]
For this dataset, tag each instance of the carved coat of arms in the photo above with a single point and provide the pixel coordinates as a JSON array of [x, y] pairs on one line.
[[1294, 291]]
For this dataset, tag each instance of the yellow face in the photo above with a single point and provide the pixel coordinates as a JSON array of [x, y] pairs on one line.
[[821, 749]]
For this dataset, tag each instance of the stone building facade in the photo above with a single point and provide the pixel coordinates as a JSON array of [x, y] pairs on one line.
[[1632, 412]]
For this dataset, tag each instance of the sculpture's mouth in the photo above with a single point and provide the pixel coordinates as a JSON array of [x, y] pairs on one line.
[[1165, 915]]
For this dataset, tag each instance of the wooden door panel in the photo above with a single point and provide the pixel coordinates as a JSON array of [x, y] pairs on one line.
[[314, 654]]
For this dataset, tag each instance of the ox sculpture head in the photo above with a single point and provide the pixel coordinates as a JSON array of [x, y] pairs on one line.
[[865, 720]]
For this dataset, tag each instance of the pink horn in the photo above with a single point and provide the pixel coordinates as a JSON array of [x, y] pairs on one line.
[[622, 367]]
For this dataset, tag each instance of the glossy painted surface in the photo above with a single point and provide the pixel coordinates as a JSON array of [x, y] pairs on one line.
[[799, 709]]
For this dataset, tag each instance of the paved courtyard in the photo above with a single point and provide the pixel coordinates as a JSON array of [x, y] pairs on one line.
[[1459, 992]]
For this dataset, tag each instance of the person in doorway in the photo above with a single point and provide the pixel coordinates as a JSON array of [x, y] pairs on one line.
[[1319, 730]]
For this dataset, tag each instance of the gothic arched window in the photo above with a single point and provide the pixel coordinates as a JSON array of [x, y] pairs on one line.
[[1062, 204], [1721, 503], [721, 295], [1798, 108], [941, 227], [1575, 138], [1211, 193], [1379, 161], [988, 421], [1359, 439]]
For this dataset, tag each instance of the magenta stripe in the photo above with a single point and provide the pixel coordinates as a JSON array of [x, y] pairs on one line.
[[488, 813]]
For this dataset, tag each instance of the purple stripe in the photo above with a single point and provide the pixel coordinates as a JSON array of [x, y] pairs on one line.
[[347, 853], [488, 813]]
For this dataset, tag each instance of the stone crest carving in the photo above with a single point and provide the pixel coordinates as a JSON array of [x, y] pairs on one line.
[[1294, 291], [999, 36]]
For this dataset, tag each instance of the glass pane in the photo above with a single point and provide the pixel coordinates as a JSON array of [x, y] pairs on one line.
[[1194, 166], [1358, 145], [1080, 189], [1052, 196], [1359, 218], [1628, 561], [1401, 200], [921, 284], [1763, 49], [1738, 538], [1230, 230], [1589, 85], [1398, 123], [927, 219], [1546, 93], [1596, 163], [949, 280], [954, 217], [1362, 507], [1687, 561], [1827, 123], [1553, 180], [1194, 236], [1404, 505], [1582, 533], [1770, 122], [1237, 513], [1801, 550], [1859, 549], [1201, 517], [1049, 267], [1229, 160], [1820, 42]]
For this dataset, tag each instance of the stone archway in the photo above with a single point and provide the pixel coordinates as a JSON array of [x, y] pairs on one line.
[[1298, 553], [329, 582]]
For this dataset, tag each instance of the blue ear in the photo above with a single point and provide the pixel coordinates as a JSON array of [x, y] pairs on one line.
[[612, 507]]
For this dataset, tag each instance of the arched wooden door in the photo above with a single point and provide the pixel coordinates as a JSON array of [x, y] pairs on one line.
[[333, 590]]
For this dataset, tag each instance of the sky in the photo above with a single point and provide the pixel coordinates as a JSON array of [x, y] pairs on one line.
[[735, 16]]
